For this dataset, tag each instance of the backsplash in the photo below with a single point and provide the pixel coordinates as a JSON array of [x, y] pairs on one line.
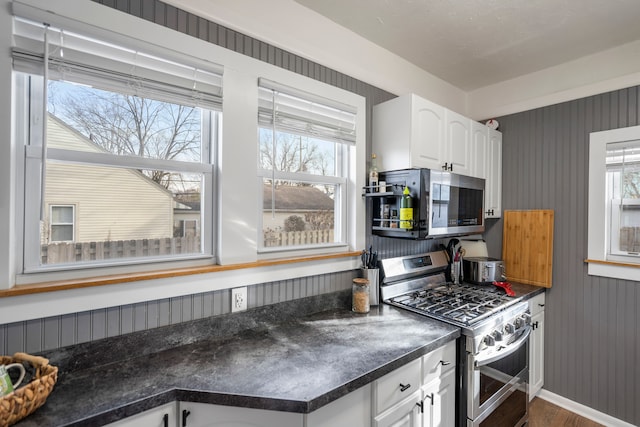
[[49, 333]]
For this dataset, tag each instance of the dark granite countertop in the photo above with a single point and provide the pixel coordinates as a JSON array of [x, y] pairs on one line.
[[295, 357]]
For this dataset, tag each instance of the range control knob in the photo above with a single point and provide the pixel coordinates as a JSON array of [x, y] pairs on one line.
[[509, 329], [489, 341], [497, 335], [519, 322]]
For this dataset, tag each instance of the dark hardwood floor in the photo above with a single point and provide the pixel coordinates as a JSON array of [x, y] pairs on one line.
[[545, 414]]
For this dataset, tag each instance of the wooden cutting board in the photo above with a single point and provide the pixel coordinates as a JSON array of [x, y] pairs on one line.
[[527, 246]]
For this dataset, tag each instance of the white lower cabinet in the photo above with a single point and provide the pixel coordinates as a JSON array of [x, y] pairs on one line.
[[162, 416], [428, 385], [352, 410], [439, 401], [536, 345], [407, 413], [207, 415]]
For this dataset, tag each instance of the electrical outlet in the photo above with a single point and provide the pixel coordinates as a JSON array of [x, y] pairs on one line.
[[238, 299]]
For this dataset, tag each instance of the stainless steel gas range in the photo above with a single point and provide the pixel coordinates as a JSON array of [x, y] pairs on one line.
[[494, 348]]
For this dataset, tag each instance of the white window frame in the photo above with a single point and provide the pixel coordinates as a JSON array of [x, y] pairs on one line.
[[320, 110], [72, 223], [29, 90], [599, 262]]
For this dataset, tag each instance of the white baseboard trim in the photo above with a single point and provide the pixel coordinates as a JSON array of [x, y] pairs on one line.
[[582, 410]]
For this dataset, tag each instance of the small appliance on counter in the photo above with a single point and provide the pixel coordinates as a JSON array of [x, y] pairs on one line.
[[483, 270]]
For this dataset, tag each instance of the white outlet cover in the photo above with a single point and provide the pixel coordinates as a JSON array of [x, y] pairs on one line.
[[238, 299]]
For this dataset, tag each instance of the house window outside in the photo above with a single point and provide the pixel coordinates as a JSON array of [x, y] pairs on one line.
[[305, 144], [623, 200], [125, 135], [62, 226]]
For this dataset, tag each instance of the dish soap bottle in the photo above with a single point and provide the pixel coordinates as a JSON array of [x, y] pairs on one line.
[[373, 174], [406, 210]]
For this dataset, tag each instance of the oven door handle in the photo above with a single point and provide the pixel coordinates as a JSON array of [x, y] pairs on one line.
[[510, 348]]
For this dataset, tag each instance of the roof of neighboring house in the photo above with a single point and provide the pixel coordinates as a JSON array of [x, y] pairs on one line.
[[289, 197]]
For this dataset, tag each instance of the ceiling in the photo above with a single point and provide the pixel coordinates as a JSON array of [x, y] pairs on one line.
[[476, 43]]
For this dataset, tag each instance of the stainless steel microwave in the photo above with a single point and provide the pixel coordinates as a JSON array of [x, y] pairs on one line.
[[444, 204]]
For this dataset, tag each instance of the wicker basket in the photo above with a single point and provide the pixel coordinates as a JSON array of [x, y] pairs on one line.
[[26, 399]]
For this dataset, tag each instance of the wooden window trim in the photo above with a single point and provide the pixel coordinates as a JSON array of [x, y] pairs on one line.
[[63, 285]]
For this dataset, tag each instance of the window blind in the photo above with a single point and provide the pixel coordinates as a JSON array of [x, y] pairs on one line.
[[300, 112], [623, 156], [97, 63]]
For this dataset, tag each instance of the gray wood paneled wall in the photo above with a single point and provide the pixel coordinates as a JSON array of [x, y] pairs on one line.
[[592, 332]]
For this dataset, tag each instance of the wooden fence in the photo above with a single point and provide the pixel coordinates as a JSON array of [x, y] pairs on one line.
[[69, 252], [297, 238], [630, 239]]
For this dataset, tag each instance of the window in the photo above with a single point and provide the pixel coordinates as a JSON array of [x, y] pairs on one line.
[[623, 200], [125, 137], [614, 203], [305, 143], [61, 228]]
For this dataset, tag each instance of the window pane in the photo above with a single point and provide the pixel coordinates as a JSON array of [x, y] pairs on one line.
[[297, 153], [623, 197], [62, 215], [296, 214], [61, 233], [124, 124], [122, 213]]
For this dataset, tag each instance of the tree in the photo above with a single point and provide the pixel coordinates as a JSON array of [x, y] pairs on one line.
[[294, 223], [130, 125], [293, 153]]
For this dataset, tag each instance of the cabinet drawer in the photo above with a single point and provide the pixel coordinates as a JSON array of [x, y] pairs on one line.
[[397, 385], [440, 360], [536, 304]]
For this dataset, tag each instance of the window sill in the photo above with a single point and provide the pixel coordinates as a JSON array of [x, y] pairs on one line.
[[613, 269], [63, 285]]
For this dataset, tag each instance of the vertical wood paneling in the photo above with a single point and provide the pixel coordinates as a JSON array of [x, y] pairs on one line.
[[591, 339]]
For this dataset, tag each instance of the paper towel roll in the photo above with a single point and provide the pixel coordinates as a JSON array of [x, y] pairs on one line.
[[474, 248]]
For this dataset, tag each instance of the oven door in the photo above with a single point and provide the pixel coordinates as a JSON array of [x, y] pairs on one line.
[[497, 386]]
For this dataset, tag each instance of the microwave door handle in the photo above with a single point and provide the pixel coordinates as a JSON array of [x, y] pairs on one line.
[[510, 348]]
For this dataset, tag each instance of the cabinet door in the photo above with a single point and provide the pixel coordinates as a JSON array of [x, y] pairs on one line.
[[479, 150], [427, 134], [206, 415], [493, 185], [353, 410], [162, 416], [397, 385], [405, 414], [439, 401], [458, 142], [536, 353]]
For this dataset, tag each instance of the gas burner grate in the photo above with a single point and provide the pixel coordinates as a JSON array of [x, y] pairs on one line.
[[461, 303]]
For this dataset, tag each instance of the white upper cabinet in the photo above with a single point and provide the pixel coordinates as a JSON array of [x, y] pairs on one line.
[[479, 150], [412, 132], [457, 145], [493, 184], [408, 131]]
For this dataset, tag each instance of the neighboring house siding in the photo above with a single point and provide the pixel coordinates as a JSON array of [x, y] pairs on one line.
[[103, 210]]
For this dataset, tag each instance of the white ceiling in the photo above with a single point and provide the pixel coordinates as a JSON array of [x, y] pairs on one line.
[[476, 43]]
